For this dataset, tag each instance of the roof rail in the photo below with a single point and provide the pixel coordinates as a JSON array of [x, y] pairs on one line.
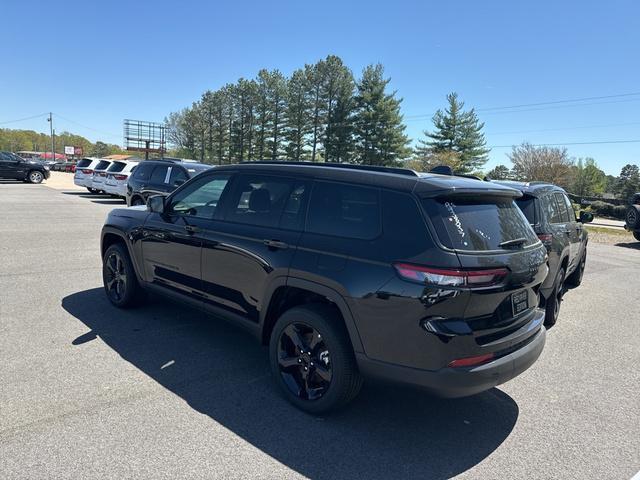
[[447, 170], [346, 166]]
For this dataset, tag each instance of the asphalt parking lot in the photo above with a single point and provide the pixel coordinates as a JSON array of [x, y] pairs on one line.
[[161, 391]]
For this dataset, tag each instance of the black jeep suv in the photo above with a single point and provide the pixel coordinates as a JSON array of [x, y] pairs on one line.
[[160, 177], [632, 216], [345, 272], [17, 168], [551, 215]]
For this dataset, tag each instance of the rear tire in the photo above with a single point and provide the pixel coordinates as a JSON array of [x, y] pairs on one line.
[[119, 277], [552, 308], [91, 190], [575, 279], [312, 360], [136, 202], [636, 235]]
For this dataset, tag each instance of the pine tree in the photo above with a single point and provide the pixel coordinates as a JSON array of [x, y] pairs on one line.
[[337, 93], [314, 80], [458, 131], [298, 117], [379, 130]]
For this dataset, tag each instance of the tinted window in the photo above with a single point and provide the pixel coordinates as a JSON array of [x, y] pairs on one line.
[[267, 201], [143, 172], [550, 208], [562, 208], [200, 199], [177, 175], [116, 167], [405, 232], [571, 216], [528, 206], [103, 164], [344, 210], [478, 225], [84, 163], [159, 174]]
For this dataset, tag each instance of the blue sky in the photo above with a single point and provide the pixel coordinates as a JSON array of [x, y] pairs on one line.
[[96, 63]]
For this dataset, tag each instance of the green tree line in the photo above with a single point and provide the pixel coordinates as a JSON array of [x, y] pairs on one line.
[[28, 140]]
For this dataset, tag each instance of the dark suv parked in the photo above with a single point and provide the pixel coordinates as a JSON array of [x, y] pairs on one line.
[[153, 177], [16, 168], [345, 272], [551, 215]]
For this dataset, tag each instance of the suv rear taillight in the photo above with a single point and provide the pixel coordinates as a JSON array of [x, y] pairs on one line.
[[451, 277], [120, 177], [545, 238], [87, 171]]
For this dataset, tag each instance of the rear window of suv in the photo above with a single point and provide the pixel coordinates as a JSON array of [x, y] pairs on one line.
[[102, 164], [116, 167], [84, 163], [527, 204], [477, 225]]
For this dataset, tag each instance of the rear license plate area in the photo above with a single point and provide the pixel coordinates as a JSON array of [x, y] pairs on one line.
[[519, 302]]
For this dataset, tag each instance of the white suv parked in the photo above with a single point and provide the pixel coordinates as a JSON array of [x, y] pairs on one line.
[[84, 172], [117, 176], [99, 175]]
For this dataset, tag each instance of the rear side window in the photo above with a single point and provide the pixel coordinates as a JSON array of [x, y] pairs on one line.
[[143, 172], [267, 201], [84, 163], [116, 167], [159, 174], [565, 207], [478, 225], [344, 210], [177, 175], [103, 164], [527, 204]]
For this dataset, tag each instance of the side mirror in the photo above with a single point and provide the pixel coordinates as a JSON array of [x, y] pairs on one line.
[[155, 204], [586, 217]]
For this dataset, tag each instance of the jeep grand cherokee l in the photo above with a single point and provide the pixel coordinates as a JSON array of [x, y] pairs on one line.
[[549, 211], [345, 272]]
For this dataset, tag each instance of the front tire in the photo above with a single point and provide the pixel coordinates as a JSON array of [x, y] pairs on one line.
[[35, 176], [137, 201], [119, 277], [552, 308], [312, 360]]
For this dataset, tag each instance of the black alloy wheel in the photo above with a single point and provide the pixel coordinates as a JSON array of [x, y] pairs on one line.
[[304, 361], [116, 276], [552, 310]]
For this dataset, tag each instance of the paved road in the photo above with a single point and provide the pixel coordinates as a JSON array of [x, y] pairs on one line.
[[88, 391], [608, 223]]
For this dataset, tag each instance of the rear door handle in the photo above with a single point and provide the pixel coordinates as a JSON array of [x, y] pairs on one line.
[[191, 229], [275, 244]]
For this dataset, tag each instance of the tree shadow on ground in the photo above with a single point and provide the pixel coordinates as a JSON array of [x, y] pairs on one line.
[[387, 432]]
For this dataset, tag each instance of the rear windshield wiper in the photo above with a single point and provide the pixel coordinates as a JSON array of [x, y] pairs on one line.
[[513, 243]]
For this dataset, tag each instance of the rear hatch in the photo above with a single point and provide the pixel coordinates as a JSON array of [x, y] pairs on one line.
[[100, 172], [83, 169], [501, 260], [114, 173]]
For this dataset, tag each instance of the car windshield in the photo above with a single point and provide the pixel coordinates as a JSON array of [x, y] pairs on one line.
[[476, 224]]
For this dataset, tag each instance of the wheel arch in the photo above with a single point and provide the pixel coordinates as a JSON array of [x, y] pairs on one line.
[[110, 236], [285, 293]]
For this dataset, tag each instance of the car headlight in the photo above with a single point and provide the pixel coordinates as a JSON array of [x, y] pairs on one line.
[[46, 167]]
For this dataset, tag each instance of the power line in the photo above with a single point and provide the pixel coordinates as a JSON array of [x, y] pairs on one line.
[[554, 102], [516, 132], [87, 127], [23, 119], [568, 143]]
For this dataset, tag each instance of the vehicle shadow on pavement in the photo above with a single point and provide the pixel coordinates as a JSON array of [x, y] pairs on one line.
[[110, 201], [222, 372], [631, 245]]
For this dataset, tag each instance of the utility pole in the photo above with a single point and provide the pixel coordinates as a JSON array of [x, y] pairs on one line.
[[53, 146]]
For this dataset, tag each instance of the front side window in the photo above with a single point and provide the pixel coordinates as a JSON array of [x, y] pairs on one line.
[[478, 224], [177, 177], [268, 201], [562, 208], [344, 210], [551, 209], [200, 198], [571, 214]]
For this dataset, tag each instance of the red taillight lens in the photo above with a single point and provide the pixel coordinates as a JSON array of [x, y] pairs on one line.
[[120, 177], [87, 171], [472, 361], [545, 238], [451, 277]]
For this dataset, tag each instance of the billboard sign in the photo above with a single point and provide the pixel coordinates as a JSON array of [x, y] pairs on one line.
[[68, 150]]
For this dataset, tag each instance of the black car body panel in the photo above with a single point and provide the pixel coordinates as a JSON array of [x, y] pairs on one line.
[[16, 168], [341, 234]]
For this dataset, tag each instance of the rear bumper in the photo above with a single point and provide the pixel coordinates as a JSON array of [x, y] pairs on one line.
[[458, 382]]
